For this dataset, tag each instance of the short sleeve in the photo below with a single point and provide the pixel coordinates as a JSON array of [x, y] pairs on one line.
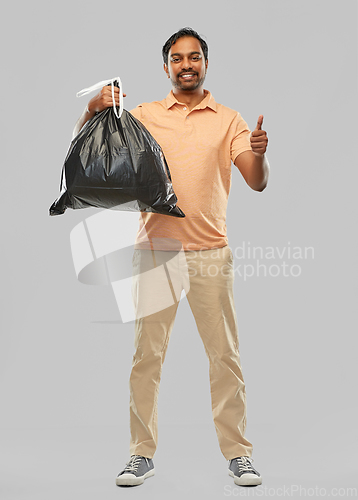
[[241, 138], [137, 112]]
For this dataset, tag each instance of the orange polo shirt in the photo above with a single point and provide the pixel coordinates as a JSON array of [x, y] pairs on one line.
[[199, 146]]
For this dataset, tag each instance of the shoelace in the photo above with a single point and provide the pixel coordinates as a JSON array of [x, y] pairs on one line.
[[244, 464], [133, 464]]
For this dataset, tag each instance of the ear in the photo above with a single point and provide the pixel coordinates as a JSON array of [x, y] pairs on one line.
[[206, 65], [166, 69]]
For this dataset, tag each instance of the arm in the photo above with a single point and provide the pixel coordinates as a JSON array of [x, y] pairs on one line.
[[97, 104], [254, 169], [254, 165]]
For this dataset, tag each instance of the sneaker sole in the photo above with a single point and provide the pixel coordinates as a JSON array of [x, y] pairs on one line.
[[132, 480], [246, 479]]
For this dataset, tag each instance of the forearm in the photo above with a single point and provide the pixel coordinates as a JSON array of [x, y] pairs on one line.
[[258, 173]]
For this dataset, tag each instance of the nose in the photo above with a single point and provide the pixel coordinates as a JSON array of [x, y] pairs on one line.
[[185, 63]]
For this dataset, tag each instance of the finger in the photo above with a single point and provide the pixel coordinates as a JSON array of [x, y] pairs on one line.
[[259, 144], [108, 99], [259, 122], [258, 133], [108, 93], [108, 90], [263, 139]]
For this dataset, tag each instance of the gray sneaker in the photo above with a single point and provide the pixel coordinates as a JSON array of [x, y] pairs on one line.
[[136, 470], [244, 474]]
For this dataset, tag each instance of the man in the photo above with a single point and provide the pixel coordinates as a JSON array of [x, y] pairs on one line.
[[200, 138]]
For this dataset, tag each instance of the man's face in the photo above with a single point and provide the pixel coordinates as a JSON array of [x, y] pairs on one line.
[[186, 64]]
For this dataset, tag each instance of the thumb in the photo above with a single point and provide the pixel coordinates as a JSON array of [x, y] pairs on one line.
[[259, 122]]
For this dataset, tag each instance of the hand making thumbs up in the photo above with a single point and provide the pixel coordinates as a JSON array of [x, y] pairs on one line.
[[259, 139]]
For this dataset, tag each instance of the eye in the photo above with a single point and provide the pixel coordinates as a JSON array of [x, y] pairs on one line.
[[175, 59]]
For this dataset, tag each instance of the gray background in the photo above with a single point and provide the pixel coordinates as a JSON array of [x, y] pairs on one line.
[[65, 355]]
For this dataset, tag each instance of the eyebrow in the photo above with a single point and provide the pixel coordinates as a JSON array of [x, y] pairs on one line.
[[191, 53]]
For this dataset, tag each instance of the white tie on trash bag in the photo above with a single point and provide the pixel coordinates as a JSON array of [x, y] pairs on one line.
[[99, 85]]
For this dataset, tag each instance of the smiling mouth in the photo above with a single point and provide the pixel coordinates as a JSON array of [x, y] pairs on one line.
[[187, 76]]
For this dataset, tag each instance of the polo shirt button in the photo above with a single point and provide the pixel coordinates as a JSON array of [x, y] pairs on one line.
[[184, 108]]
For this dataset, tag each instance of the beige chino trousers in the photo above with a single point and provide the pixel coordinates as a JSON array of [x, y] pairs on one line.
[[211, 275]]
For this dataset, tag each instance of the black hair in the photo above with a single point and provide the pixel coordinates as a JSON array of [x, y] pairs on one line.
[[180, 34]]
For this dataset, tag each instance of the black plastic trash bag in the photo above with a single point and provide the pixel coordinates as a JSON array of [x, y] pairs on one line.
[[114, 162]]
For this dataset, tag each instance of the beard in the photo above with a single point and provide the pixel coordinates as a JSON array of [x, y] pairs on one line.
[[188, 86]]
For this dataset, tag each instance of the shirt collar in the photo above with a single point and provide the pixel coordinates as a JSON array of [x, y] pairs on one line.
[[207, 102]]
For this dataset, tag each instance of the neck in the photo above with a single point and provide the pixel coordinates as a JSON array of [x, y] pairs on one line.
[[191, 97]]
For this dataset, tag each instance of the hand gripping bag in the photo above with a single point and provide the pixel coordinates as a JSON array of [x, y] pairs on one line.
[[115, 163]]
